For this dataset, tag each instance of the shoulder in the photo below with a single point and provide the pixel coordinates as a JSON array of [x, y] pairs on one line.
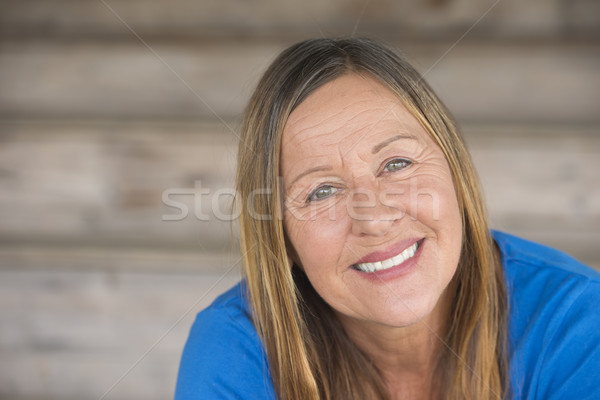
[[223, 357], [554, 311], [542, 278], [525, 253]]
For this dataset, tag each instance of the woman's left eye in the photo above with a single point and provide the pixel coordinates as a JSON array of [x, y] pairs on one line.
[[397, 164]]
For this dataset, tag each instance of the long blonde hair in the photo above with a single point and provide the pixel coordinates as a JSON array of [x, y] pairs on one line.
[[309, 354]]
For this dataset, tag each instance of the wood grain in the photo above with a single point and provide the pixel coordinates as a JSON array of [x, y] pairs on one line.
[[511, 82], [270, 18], [104, 184]]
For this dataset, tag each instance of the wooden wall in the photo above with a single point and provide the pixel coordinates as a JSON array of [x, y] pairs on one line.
[[106, 106]]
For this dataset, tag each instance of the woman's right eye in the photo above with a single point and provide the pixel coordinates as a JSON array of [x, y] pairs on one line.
[[322, 192]]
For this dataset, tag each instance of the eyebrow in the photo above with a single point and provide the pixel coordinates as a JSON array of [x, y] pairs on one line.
[[375, 149], [310, 171], [381, 145]]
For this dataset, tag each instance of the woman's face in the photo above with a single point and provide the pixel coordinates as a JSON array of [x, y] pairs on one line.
[[370, 206]]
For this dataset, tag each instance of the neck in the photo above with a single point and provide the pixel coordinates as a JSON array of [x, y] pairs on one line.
[[407, 350], [406, 356]]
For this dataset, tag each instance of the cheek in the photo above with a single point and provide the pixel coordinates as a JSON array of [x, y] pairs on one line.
[[318, 242], [433, 201], [439, 210]]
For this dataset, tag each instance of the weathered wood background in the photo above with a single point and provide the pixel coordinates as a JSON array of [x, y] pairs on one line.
[[106, 106]]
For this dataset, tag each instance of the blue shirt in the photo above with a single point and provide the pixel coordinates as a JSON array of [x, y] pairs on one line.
[[554, 333]]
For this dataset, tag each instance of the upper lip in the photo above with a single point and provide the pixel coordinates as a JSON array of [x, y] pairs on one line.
[[392, 251]]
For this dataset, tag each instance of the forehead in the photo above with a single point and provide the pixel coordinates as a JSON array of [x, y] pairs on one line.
[[350, 108]]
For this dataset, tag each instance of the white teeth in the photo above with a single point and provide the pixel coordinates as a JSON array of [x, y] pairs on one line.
[[390, 262]]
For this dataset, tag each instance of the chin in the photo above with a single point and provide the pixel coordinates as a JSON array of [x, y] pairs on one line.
[[409, 313]]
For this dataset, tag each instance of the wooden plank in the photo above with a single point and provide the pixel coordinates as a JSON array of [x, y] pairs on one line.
[[97, 185], [545, 171], [579, 241], [542, 183], [72, 335], [72, 330], [69, 258], [108, 184], [126, 80], [526, 84], [231, 18], [507, 82]]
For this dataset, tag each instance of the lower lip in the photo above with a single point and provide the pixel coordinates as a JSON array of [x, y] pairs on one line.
[[395, 271]]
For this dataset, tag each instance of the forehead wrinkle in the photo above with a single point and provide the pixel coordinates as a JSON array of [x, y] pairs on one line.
[[351, 128], [343, 109], [319, 128], [388, 109], [401, 114]]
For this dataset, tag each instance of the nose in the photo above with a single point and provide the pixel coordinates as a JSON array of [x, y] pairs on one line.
[[369, 215]]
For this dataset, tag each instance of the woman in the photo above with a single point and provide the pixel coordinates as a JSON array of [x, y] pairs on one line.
[[370, 271]]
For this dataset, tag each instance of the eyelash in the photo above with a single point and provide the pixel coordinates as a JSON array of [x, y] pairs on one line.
[[405, 164], [312, 196]]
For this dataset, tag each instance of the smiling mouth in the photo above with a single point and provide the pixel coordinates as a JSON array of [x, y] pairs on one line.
[[369, 267]]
